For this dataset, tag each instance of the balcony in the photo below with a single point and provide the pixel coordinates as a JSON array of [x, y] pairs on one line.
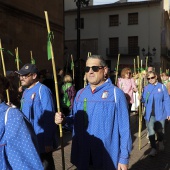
[[123, 51]]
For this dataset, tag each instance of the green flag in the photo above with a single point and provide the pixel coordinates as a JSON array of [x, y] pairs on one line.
[[72, 65], [85, 112], [32, 61], [17, 58], [49, 42], [7, 51]]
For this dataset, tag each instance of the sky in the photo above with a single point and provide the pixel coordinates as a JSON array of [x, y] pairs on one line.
[[98, 2]]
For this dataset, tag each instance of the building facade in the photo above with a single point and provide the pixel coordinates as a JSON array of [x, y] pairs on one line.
[[71, 4], [23, 25], [129, 28]]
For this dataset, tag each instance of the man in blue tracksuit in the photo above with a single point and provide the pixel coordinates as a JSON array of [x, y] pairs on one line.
[[101, 134], [37, 105]]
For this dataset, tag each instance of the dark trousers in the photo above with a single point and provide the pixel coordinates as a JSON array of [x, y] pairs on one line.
[[129, 108], [66, 111], [47, 161]]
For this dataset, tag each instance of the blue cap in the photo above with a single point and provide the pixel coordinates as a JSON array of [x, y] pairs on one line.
[[27, 68]]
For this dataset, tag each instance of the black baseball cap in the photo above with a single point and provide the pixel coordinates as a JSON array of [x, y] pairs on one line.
[[27, 68]]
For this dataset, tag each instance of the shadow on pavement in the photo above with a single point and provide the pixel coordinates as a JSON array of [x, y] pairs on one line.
[[160, 162]]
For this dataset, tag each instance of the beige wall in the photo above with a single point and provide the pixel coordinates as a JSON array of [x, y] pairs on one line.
[[96, 23], [23, 25], [87, 45], [166, 5], [69, 4]]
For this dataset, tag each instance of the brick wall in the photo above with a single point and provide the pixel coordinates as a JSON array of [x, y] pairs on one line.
[[23, 25]]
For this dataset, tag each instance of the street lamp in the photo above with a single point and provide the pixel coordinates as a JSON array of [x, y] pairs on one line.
[[82, 2], [79, 73], [149, 54], [79, 4]]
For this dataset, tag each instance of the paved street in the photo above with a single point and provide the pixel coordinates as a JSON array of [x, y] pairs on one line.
[[139, 159]]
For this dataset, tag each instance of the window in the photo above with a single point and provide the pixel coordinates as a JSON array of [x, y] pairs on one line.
[[113, 20], [133, 45], [81, 23], [114, 45], [133, 18]]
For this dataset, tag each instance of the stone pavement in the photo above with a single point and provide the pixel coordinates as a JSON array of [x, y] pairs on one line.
[[139, 159]]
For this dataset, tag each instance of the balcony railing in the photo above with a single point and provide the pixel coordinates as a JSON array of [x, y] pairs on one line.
[[123, 51]]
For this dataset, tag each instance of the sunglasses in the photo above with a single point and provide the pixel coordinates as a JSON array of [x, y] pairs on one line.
[[94, 68], [151, 78]]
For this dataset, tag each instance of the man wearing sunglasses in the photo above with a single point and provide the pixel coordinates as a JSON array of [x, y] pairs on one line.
[[37, 105], [157, 103], [101, 136]]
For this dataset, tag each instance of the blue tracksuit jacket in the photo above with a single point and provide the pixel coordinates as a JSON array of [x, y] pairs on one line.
[[37, 105], [18, 142], [161, 98], [101, 128]]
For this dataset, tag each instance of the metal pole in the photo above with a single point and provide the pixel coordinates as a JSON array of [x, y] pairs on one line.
[[78, 28], [80, 75], [79, 71]]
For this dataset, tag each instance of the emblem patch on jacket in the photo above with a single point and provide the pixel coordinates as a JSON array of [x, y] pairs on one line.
[[159, 90], [105, 94], [33, 96]]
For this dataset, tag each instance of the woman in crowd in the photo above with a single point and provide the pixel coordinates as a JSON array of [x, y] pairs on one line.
[[157, 103], [127, 84], [69, 92], [18, 143], [166, 81]]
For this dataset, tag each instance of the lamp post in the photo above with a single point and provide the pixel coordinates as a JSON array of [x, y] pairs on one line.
[[79, 4], [149, 54], [79, 77]]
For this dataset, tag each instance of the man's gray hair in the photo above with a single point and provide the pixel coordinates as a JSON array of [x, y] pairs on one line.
[[102, 60]]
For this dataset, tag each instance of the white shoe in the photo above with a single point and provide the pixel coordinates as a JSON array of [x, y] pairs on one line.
[[153, 152], [161, 146]]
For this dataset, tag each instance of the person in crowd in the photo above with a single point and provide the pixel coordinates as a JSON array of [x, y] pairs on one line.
[[112, 76], [101, 135], [18, 142], [127, 84], [150, 68], [38, 106], [14, 94], [157, 103], [135, 104], [166, 81], [49, 81], [60, 74], [69, 93]]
